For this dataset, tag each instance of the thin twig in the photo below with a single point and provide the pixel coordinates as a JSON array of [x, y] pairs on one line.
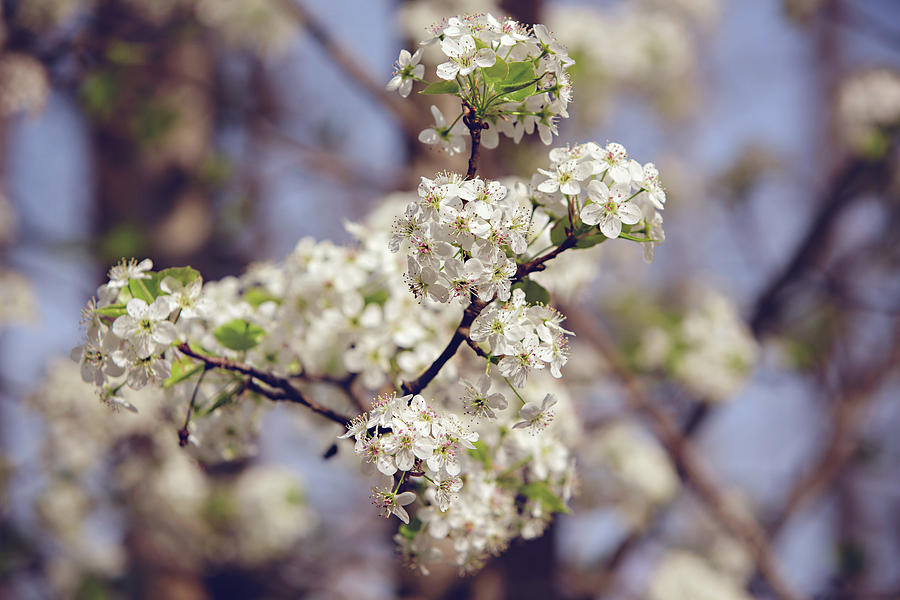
[[352, 66], [183, 433]]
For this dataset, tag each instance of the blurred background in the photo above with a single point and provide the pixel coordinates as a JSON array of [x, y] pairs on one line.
[[215, 133]]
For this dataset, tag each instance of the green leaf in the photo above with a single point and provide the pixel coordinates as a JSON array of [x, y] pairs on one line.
[[412, 530], [223, 399], [239, 334], [182, 370], [378, 297], [590, 240], [541, 492], [628, 236], [146, 288], [441, 87], [113, 311], [521, 94], [558, 233], [496, 72], [256, 296], [521, 73], [480, 453], [185, 275], [535, 293]]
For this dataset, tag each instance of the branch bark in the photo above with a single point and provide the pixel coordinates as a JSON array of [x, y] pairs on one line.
[[282, 389]]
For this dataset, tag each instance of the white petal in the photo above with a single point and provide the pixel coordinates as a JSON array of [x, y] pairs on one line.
[[429, 136], [629, 213], [485, 57], [611, 226], [591, 213], [447, 70]]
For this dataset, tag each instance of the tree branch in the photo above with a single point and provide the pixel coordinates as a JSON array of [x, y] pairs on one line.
[[686, 459], [462, 333], [287, 391], [475, 126], [851, 180], [351, 65]]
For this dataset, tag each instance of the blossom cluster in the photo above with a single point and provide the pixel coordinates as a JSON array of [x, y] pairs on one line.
[[868, 108], [605, 188], [458, 237], [406, 434], [133, 321], [514, 483], [709, 349], [649, 47], [512, 78], [526, 337], [249, 518]]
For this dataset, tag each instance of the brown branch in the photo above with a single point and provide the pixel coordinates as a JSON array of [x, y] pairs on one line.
[[690, 466], [855, 176], [282, 388], [473, 310], [475, 126], [477, 349], [344, 383], [462, 332], [849, 404], [351, 66]]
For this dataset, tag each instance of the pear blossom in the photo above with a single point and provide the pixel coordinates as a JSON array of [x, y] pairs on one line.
[[390, 502], [566, 177], [407, 70], [610, 207], [146, 326], [479, 402], [126, 270], [450, 138], [536, 417], [464, 57]]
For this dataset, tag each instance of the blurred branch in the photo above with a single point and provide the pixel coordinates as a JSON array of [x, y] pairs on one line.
[[683, 454], [849, 404], [352, 66], [322, 161], [860, 21], [851, 180]]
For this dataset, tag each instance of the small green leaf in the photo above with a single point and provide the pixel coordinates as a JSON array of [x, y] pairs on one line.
[[182, 370], [412, 530], [222, 399], [441, 87], [558, 233], [239, 334], [520, 94], [480, 453], [113, 311], [541, 492], [257, 296], [628, 236], [496, 72], [535, 293], [591, 240], [146, 288], [520, 72], [185, 275], [378, 297]]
